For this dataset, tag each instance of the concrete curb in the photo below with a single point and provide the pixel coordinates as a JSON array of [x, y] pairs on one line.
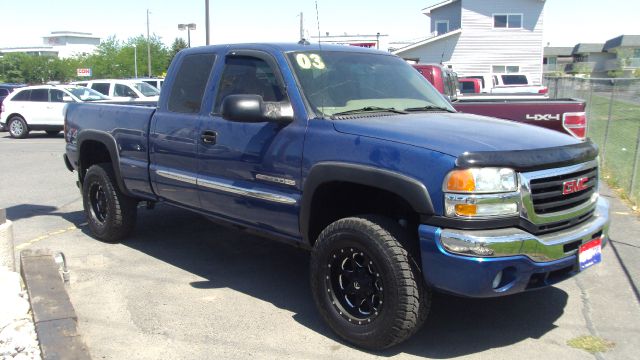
[[7, 257], [54, 317]]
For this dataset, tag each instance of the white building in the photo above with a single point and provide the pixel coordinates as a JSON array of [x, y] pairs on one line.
[[482, 37], [63, 44]]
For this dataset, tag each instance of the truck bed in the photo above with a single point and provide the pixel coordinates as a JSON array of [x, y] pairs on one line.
[[546, 113], [128, 123]]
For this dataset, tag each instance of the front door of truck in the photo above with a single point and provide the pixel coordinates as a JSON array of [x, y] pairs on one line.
[[175, 135], [250, 172]]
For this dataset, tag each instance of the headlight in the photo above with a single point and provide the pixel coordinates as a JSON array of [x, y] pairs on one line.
[[481, 193], [481, 180]]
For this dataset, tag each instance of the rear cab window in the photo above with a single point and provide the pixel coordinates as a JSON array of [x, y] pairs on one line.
[[514, 79], [188, 89]]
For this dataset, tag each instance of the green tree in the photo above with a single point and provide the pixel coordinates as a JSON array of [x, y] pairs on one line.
[[178, 44]]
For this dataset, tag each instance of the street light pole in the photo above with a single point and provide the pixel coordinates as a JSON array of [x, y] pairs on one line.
[[188, 27], [206, 18], [148, 46], [135, 60]]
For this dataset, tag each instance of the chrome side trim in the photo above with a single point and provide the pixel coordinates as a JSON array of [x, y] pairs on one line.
[[527, 210], [246, 192], [176, 176], [514, 241]]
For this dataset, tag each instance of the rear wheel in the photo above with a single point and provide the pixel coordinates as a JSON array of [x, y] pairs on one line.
[[365, 283], [18, 127], [111, 215]]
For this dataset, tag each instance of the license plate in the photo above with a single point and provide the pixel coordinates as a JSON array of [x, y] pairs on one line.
[[590, 253]]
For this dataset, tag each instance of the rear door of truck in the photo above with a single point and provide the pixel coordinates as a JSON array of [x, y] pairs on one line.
[[175, 132]]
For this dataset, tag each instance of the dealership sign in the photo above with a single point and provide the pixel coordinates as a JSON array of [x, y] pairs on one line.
[[83, 72]]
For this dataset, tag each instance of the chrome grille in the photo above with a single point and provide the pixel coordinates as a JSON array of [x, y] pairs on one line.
[[546, 207], [547, 193]]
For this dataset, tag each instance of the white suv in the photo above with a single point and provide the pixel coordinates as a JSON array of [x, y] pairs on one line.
[[125, 90], [41, 108]]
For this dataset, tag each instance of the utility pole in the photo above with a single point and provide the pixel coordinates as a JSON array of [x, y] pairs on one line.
[[148, 46], [206, 16], [301, 26], [135, 60]]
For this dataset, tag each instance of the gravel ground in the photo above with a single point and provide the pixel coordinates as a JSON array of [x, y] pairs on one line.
[[18, 338]]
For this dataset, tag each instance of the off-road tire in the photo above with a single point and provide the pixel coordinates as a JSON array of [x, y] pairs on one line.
[[18, 128], [115, 217], [406, 298]]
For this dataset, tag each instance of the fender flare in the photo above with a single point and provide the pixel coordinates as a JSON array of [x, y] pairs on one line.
[[411, 190], [112, 146]]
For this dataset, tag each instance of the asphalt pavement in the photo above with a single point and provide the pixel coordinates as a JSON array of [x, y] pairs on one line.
[[184, 288]]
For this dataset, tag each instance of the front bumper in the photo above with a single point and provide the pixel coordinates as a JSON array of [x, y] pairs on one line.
[[466, 262]]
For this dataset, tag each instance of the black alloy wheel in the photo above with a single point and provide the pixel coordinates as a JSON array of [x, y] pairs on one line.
[[98, 200], [111, 215], [368, 288], [356, 286]]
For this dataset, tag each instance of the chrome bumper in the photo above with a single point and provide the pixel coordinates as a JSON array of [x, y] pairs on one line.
[[514, 241]]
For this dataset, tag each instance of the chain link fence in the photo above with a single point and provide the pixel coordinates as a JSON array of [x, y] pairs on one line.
[[613, 122]]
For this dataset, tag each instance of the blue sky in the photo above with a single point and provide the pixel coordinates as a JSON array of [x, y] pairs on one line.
[[25, 22]]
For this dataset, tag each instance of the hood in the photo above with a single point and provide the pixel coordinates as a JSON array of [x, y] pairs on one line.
[[454, 133]]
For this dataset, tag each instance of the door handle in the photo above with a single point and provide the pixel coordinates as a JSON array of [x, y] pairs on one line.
[[209, 137]]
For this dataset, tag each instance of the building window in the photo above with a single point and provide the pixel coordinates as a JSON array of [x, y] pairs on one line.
[[442, 27], [507, 21], [505, 69]]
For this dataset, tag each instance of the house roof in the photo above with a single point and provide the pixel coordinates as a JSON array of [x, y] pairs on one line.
[[558, 51], [622, 40], [426, 41], [428, 9], [584, 48]]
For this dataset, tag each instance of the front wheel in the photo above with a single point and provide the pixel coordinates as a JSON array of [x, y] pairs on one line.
[[18, 128], [365, 284], [111, 215]]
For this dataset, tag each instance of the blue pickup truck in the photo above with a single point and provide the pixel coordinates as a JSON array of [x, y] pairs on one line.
[[352, 154]]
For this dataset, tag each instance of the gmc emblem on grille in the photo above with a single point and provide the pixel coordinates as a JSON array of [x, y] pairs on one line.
[[575, 185]]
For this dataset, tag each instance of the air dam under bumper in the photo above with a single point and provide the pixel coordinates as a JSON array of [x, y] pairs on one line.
[[523, 260]]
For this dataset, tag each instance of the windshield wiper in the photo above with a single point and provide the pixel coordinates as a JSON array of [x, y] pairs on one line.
[[369, 109], [428, 108]]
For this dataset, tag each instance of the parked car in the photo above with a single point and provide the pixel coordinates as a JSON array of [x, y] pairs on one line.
[[508, 84], [125, 90], [155, 82], [352, 154], [41, 108], [5, 90], [469, 85], [442, 78], [564, 115]]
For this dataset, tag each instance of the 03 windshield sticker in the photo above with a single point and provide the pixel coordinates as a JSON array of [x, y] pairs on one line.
[[310, 61]]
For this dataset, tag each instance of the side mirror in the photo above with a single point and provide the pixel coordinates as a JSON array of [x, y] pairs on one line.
[[67, 98], [251, 108]]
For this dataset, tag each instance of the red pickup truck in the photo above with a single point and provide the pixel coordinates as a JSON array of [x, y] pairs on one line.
[[564, 115]]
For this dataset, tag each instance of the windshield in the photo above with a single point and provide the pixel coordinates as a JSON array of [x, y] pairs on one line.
[[86, 94], [146, 89], [335, 82]]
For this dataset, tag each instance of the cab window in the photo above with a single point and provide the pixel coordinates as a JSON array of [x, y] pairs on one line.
[[246, 75], [102, 88], [190, 82], [124, 91], [23, 95], [40, 95]]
